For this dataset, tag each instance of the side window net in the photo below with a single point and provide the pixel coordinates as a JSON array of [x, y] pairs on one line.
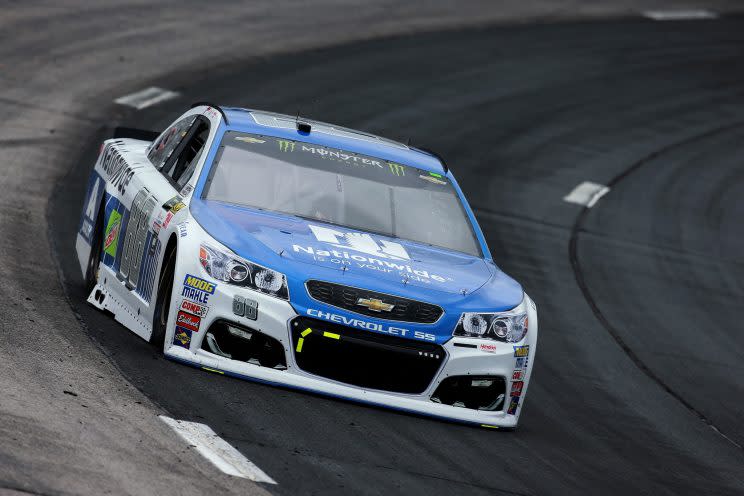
[[163, 147], [183, 168]]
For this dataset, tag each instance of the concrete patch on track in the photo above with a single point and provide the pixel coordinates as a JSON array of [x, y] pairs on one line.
[[586, 194], [147, 97], [680, 15], [215, 449]]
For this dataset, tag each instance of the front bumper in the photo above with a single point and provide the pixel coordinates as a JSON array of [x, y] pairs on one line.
[[274, 318]]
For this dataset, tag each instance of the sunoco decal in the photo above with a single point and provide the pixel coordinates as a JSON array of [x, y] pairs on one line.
[[182, 337]]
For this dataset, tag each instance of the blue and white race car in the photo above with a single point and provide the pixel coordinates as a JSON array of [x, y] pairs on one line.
[[307, 255]]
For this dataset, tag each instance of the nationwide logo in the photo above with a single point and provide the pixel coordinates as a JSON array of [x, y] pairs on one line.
[[396, 169], [112, 233], [361, 242], [188, 321], [194, 308], [285, 145], [375, 305], [371, 263]]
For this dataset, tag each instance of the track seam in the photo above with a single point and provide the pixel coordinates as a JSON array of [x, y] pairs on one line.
[[579, 275]]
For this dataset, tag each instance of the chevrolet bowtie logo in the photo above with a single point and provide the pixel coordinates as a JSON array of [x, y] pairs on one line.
[[375, 305]]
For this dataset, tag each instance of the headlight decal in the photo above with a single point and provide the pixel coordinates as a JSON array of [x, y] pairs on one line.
[[509, 327], [228, 267]]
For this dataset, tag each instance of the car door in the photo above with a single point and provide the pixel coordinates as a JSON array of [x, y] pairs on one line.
[[152, 195]]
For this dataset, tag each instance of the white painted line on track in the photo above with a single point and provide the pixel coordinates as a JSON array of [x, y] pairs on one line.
[[587, 194], [217, 450], [680, 15], [146, 98]]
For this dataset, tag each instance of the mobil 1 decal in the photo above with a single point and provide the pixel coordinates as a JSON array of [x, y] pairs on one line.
[[138, 247]]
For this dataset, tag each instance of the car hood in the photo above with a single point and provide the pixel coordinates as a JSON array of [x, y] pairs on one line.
[[251, 233]]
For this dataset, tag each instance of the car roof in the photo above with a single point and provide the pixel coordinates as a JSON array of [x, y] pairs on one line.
[[285, 126]]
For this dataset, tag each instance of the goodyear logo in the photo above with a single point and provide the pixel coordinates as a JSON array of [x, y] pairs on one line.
[[396, 169], [199, 284], [286, 145]]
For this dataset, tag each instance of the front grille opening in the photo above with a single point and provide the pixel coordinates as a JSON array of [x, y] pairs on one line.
[[244, 344], [355, 299], [363, 358], [474, 392]]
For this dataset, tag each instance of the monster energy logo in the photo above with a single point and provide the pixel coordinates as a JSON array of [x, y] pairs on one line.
[[286, 146], [397, 169]]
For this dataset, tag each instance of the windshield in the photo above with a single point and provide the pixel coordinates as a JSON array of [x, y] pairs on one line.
[[340, 187]]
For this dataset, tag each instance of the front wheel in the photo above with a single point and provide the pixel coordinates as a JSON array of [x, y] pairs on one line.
[[163, 300]]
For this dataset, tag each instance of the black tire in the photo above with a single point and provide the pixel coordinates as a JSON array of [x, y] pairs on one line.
[[96, 248], [163, 300]]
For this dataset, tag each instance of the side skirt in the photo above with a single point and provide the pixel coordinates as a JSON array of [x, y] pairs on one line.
[[128, 308]]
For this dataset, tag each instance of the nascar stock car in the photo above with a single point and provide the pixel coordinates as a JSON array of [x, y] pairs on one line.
[[303, 254]]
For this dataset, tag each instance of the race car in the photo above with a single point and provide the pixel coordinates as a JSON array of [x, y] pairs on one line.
[[307, 255]]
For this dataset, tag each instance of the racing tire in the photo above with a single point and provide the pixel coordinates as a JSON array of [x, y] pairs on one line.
[[96, 248], [163, 300]]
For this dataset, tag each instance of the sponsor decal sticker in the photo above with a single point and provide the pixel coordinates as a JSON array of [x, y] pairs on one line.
[[183, 229], [521, 363], [167, 219], [340, 156], [522, 351], [488, 347], [371, 254], [431, 179], [371, 326], [249, 139], [517, 375], [361, 242], [182, 337], [190, 322], [186, 191], [194, 308], [111, 241], [245, 307], [513, 405], [396, 169], [516, 389], [197, 289], [178, 206], [286, 145], [172, 203]]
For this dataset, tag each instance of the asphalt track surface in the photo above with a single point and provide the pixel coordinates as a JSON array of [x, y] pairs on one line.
[[638, 381]]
